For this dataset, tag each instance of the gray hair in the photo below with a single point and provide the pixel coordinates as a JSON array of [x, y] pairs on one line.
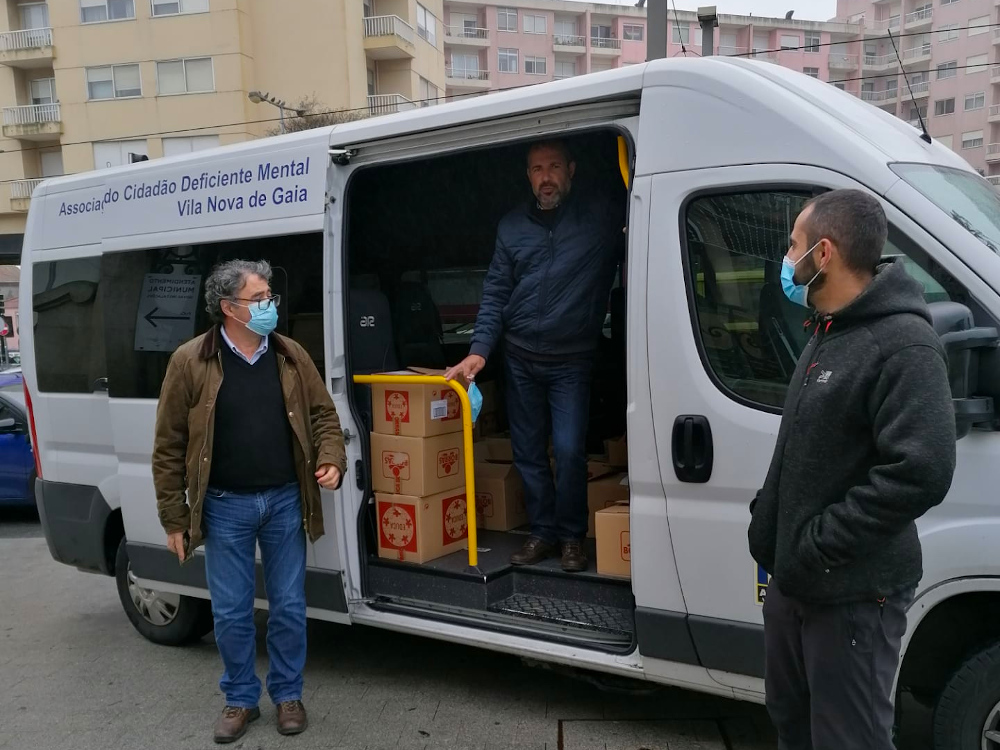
[[226, 281]]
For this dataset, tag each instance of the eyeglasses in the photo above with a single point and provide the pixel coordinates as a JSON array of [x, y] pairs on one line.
[[260, 304]]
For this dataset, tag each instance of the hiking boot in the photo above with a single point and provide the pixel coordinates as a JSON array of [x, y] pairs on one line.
[[234, 722], [292, 718], [534, 551], [574, 559]]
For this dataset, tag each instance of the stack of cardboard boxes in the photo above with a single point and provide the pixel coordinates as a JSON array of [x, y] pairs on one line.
[[499, 489], [418, 471], [607, 499]]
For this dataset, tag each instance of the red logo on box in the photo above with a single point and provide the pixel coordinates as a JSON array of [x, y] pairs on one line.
[[395, 465], [453, 522], [447, 462], [397, 527], [484, 504], [397, 406], [454, 404], [626, 545]]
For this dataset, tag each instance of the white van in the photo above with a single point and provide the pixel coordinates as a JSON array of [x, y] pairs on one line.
[[721, 154]]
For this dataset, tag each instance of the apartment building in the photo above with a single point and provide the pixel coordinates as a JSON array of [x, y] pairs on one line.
[[88, 84]]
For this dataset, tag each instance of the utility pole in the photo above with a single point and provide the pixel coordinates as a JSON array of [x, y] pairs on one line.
[[656, 23], [709, 20]]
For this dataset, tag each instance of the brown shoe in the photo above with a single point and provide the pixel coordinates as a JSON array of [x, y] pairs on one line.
[[534, 551], [233, 723], [292, 718], [574, 559]]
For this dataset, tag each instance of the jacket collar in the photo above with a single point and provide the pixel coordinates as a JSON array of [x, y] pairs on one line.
[[211, 344]]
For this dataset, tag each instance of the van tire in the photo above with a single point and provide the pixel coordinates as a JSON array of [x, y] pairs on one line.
[[182, 619], [970, 700]]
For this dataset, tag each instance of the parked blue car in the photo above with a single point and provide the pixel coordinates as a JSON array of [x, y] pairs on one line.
[[17, 461]]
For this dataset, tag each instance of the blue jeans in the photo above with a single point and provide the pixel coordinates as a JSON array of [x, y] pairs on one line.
[[234, 525], [544, 396]]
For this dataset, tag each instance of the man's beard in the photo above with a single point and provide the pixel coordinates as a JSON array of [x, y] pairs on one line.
[[548, 202], [809, 273]]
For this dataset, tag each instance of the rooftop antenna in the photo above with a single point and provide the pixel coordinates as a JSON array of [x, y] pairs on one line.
[[677, 24], [913, 100]]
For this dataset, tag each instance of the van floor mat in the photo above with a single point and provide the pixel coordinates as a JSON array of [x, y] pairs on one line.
[[613, 620]]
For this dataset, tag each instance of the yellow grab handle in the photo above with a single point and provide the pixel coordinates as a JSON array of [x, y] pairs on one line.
[[623, 159], [470, 468]]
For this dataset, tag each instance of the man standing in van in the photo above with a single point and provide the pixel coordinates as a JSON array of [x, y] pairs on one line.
[[246, 434], [545, 297], [866, 446]]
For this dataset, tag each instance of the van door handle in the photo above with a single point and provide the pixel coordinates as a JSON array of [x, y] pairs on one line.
[[101, 384], [692, 448]]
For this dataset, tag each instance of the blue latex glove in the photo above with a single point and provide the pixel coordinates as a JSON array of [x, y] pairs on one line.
[[475, 401]]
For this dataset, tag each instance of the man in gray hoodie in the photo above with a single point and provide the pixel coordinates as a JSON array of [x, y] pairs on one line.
[[866, 446]]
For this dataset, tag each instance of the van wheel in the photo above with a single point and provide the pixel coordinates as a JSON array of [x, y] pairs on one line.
[[967, 716], [166, 619]]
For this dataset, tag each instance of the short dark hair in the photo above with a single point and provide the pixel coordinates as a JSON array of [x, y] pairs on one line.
[[556, 144], [854, 221]]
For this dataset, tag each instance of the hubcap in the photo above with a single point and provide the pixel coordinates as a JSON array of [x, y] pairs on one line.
[[155, 608], [991, 730]]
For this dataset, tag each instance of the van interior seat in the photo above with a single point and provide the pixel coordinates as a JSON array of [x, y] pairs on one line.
[[372, 347], [417, 324]]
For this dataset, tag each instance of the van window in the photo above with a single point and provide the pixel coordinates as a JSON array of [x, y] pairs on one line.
[[69, 338], [751, 335], [156, 301]]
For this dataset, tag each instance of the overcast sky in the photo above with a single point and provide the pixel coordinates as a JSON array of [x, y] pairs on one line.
[[815, 10]]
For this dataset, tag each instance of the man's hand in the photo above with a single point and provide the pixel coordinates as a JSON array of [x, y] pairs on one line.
[[175, 543], [328, 476], [468, 368]]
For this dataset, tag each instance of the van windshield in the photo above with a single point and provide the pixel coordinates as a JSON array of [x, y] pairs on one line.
[[966, 197]]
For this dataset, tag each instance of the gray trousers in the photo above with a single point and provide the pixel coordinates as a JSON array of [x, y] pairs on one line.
[[829, 671]]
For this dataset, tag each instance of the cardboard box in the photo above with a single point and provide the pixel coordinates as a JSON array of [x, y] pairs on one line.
[[499, 449], [614, 547], [597, 468], [499, 497], [617, 453], [604, 493], [415, 410], [417, 466], [418, 529]]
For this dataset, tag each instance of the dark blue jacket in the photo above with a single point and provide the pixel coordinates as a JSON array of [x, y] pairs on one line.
[[547, 291]]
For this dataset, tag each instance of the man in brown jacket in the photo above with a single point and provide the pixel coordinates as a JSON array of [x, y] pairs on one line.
[[246, 434]]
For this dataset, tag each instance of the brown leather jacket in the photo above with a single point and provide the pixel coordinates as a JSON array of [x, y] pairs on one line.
[[185, 423]]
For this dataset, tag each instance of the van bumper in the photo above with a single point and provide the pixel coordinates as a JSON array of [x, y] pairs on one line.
[[74, 518]]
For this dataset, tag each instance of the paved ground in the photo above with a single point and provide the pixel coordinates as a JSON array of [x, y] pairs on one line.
[[76, 676]]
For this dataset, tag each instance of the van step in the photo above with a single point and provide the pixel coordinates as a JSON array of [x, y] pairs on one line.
[[613, 620]]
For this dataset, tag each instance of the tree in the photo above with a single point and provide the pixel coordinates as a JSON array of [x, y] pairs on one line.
[[314, 114]]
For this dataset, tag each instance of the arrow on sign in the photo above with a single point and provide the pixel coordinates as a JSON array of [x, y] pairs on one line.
[[151, 316]]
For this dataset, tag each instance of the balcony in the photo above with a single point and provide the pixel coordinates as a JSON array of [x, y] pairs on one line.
[[919, 19], [994, 180], [888, 96], [464, 36], [920, 89], [886, 25], [995, 113], [993, 152], [27, 48], [570, 43], [881, 62], [917, 55], [726, 50], [389, 38], [995, 74], [843, 62], [35, 122], [600, 45], [996, 36], [20, 194], [464, 78], [771, 57], [389, 104]]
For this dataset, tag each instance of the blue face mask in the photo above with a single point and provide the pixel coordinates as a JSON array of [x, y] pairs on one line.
[[475, 401], [262, 322], [797, 293]]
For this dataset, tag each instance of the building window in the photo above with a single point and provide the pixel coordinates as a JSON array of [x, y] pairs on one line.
[[948, 33], [946, 140], [116, 153], [972, 139], [947, 70], [535, 66], [428, 93], [98, 11], [840, 85], [812, 42], [506, 19], [464, 66], [681, 34], [633, 32], [189, 144], [507, 62], [177, 7], [980, 25], [426, 25], [944, 107], [948, 2], [190, 76], [43, 91], [113, 82], [976, 64], [372, 89], [917, 112], [811, 72], [975, 101], [892, 85], [789, 42], [534, 24], [565, 69]]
